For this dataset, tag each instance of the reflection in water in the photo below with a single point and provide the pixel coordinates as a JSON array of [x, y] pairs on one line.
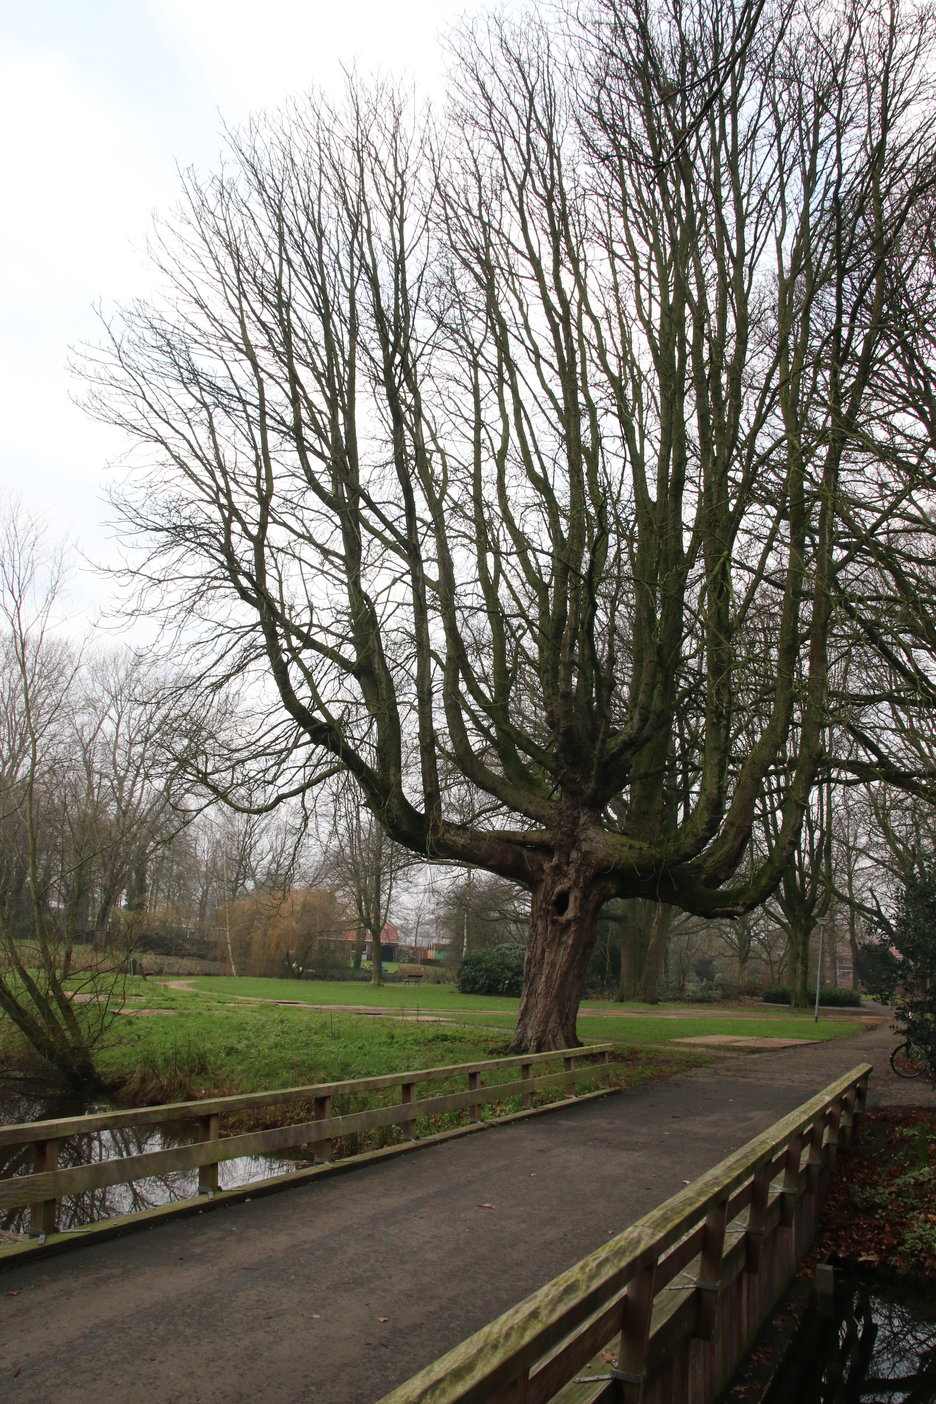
[[879, 1346], [77, 1211]]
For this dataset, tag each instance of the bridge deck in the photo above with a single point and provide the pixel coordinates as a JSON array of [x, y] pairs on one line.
[[334, 1292]]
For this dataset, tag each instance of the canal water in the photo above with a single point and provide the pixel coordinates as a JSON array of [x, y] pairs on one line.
[[78, 1211], [878, 1347]]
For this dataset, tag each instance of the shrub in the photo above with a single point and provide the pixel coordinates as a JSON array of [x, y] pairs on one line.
[[906, 957], [498, 971], [833, 995], [839, 997], [702, 994]]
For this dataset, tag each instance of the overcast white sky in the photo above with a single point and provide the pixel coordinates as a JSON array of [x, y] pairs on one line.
[[100, 100]]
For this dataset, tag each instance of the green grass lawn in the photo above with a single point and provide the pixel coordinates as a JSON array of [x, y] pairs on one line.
[[597, 1021], [209, 1042], [648, 1029], [193, 1051], [203, 1044], [406, 997], [206, 1040]]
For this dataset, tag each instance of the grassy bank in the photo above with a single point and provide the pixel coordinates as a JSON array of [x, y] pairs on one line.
[[176, 1045], [192, 1050], [228, 1035]]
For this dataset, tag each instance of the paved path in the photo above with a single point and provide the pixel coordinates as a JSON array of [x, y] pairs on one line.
[[334, 1292]]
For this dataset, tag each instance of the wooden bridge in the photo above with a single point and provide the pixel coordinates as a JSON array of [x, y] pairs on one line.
[[205, 1149], [725, 1250], [347, 1285]]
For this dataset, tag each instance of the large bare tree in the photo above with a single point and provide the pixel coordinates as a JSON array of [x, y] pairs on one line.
[[505, 458]]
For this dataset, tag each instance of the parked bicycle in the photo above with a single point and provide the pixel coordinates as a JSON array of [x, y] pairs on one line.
[[916, 1056], [910, 1059]]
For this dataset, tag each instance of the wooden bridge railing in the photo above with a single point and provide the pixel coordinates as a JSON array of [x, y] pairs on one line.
[[667, 1309], [48, 1184]]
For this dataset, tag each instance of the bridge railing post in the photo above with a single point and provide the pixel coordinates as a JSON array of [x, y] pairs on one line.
[[42, 1215], [816, 1155], [790, 1189], [208, 1129], [635, 1333], [835, 1133], [852, 1108], [708, 1284], [323, 1149], [474, 1085], [756, 1227], [408, 1097]]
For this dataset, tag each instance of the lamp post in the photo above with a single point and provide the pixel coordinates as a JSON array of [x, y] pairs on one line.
[[822, 925]]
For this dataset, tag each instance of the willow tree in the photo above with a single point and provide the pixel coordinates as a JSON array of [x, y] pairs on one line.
[[499, 457]]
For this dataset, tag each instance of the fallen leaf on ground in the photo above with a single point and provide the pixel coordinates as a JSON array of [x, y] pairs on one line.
[[485, 1206]]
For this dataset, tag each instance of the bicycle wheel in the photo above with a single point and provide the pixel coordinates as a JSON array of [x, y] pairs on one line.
[[909, 1060]]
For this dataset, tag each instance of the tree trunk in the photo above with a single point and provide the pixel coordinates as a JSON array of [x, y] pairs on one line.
[[633, 946], [563, 927], [798, 961], [648, 988], [376, 958], [854, 948], [101, 928], [138, 886]]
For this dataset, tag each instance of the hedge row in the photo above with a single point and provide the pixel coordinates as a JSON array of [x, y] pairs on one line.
[[833, 995]]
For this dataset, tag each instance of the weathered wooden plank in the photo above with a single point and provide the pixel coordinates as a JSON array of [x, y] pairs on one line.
[[220, 1106]]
